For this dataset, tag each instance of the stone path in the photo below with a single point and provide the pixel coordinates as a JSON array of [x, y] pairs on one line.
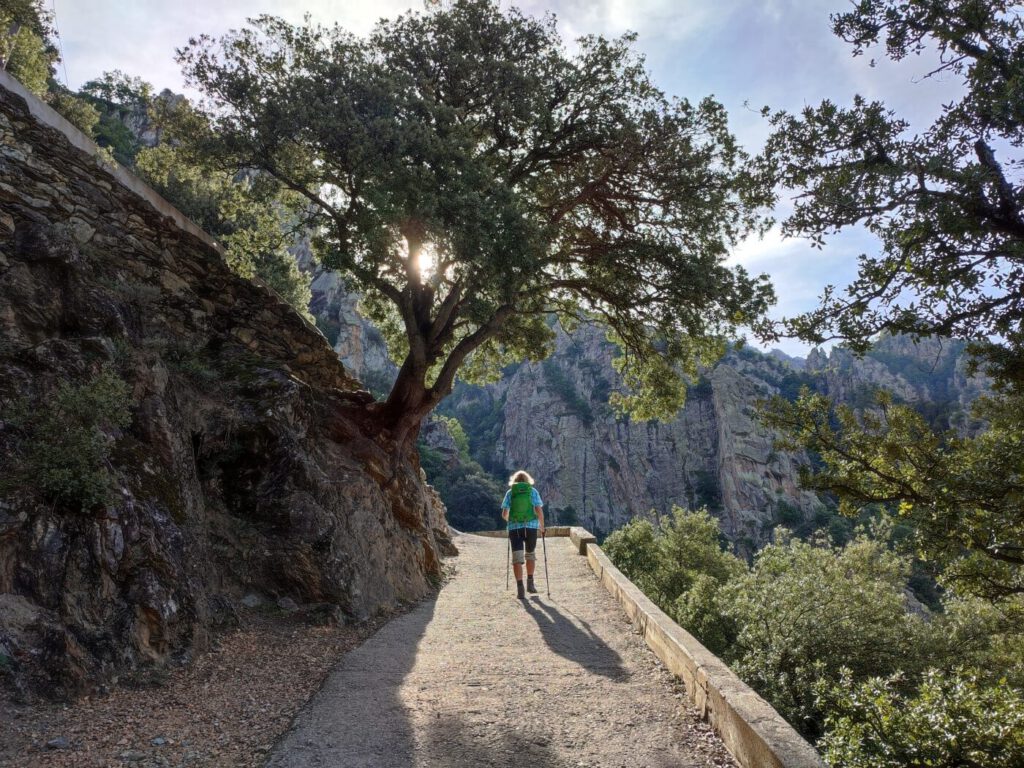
[[477, 678]]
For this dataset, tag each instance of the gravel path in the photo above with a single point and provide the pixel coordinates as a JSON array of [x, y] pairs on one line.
[[476, 678]]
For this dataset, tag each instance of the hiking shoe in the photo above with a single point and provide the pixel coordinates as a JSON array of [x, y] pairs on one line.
[[529, 585], [520, 592]]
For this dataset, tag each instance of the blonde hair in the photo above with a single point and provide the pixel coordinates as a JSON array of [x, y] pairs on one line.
[[520, 477]]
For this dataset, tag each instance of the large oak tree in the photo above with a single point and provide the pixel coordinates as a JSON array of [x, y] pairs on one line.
[[475, 178]]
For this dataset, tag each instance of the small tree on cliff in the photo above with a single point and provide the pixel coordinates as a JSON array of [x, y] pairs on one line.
[[473, 178]]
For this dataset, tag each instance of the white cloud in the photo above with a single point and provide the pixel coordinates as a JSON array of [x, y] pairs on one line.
[[665, 20], [800, 272], [140, 36]]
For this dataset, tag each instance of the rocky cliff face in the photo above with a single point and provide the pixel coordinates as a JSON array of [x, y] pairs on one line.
[[601, 470], [931, 374], [604, 470], [358, 344], [241, 467]]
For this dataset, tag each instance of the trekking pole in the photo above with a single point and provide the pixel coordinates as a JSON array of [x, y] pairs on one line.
[[508, 555], [544, 543]]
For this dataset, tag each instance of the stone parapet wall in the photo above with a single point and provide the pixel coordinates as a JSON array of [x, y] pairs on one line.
[[54, 176], [755, 734]]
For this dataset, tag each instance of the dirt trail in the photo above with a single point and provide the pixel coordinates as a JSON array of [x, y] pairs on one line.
[[477, 678]]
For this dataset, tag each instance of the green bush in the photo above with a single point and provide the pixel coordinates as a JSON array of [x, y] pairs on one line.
[[953, 720], [473, 500], [670, 561], [255, 233], [29, 54], [700, 611], [78, 111], [66, 441], [691, 548], [805, 611], [984, 636], [788, 514], [483, 418], [634, 550], [707, 489]]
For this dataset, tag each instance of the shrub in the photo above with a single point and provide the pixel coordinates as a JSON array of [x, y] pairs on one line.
[[699, 610], [66, 440], [788, 514], [805, 611], [471, 497], [679, 564], [707, 489], [690, 548], [634, 550], [255, 233], [952, 721]]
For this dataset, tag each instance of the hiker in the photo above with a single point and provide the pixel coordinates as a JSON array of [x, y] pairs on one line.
[[523, 509]]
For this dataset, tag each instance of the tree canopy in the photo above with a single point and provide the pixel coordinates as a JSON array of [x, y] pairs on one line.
[[948, 207], [29, 53], [946, 202], [26, 50], [473, 178], [961, 494]]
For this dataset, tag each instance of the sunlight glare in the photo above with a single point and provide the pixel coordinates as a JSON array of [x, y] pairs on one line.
[[426, 261]]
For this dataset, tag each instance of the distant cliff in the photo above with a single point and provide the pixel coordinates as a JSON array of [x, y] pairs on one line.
[[553, 418], [172, 437], [602, 470]]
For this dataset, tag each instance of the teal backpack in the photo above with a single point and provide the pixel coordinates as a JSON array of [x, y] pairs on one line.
[[521, 504]]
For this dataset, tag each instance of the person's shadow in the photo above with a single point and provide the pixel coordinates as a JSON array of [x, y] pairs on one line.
[[575, 640]]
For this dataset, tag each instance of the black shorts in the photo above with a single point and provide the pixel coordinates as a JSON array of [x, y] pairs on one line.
[[523, 537]]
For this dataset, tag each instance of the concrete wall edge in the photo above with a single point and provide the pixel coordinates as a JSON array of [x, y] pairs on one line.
[[754, 733]]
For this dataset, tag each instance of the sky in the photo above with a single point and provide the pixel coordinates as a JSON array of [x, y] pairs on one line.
[[747, 53]]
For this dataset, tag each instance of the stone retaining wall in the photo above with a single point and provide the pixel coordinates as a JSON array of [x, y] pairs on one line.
[[245, 468], [54, 176]]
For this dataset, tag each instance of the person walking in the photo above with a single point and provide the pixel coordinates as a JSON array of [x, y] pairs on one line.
[[523, 510]]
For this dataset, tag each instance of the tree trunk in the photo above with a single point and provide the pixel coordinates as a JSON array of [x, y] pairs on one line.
[[398, 418]]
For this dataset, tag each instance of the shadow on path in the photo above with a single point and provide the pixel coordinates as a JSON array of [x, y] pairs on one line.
[[575, 641], [358, 719]]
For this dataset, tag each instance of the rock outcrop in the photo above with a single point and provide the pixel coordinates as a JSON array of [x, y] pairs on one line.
[[603, 470], [243, 468], [931, 374]]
